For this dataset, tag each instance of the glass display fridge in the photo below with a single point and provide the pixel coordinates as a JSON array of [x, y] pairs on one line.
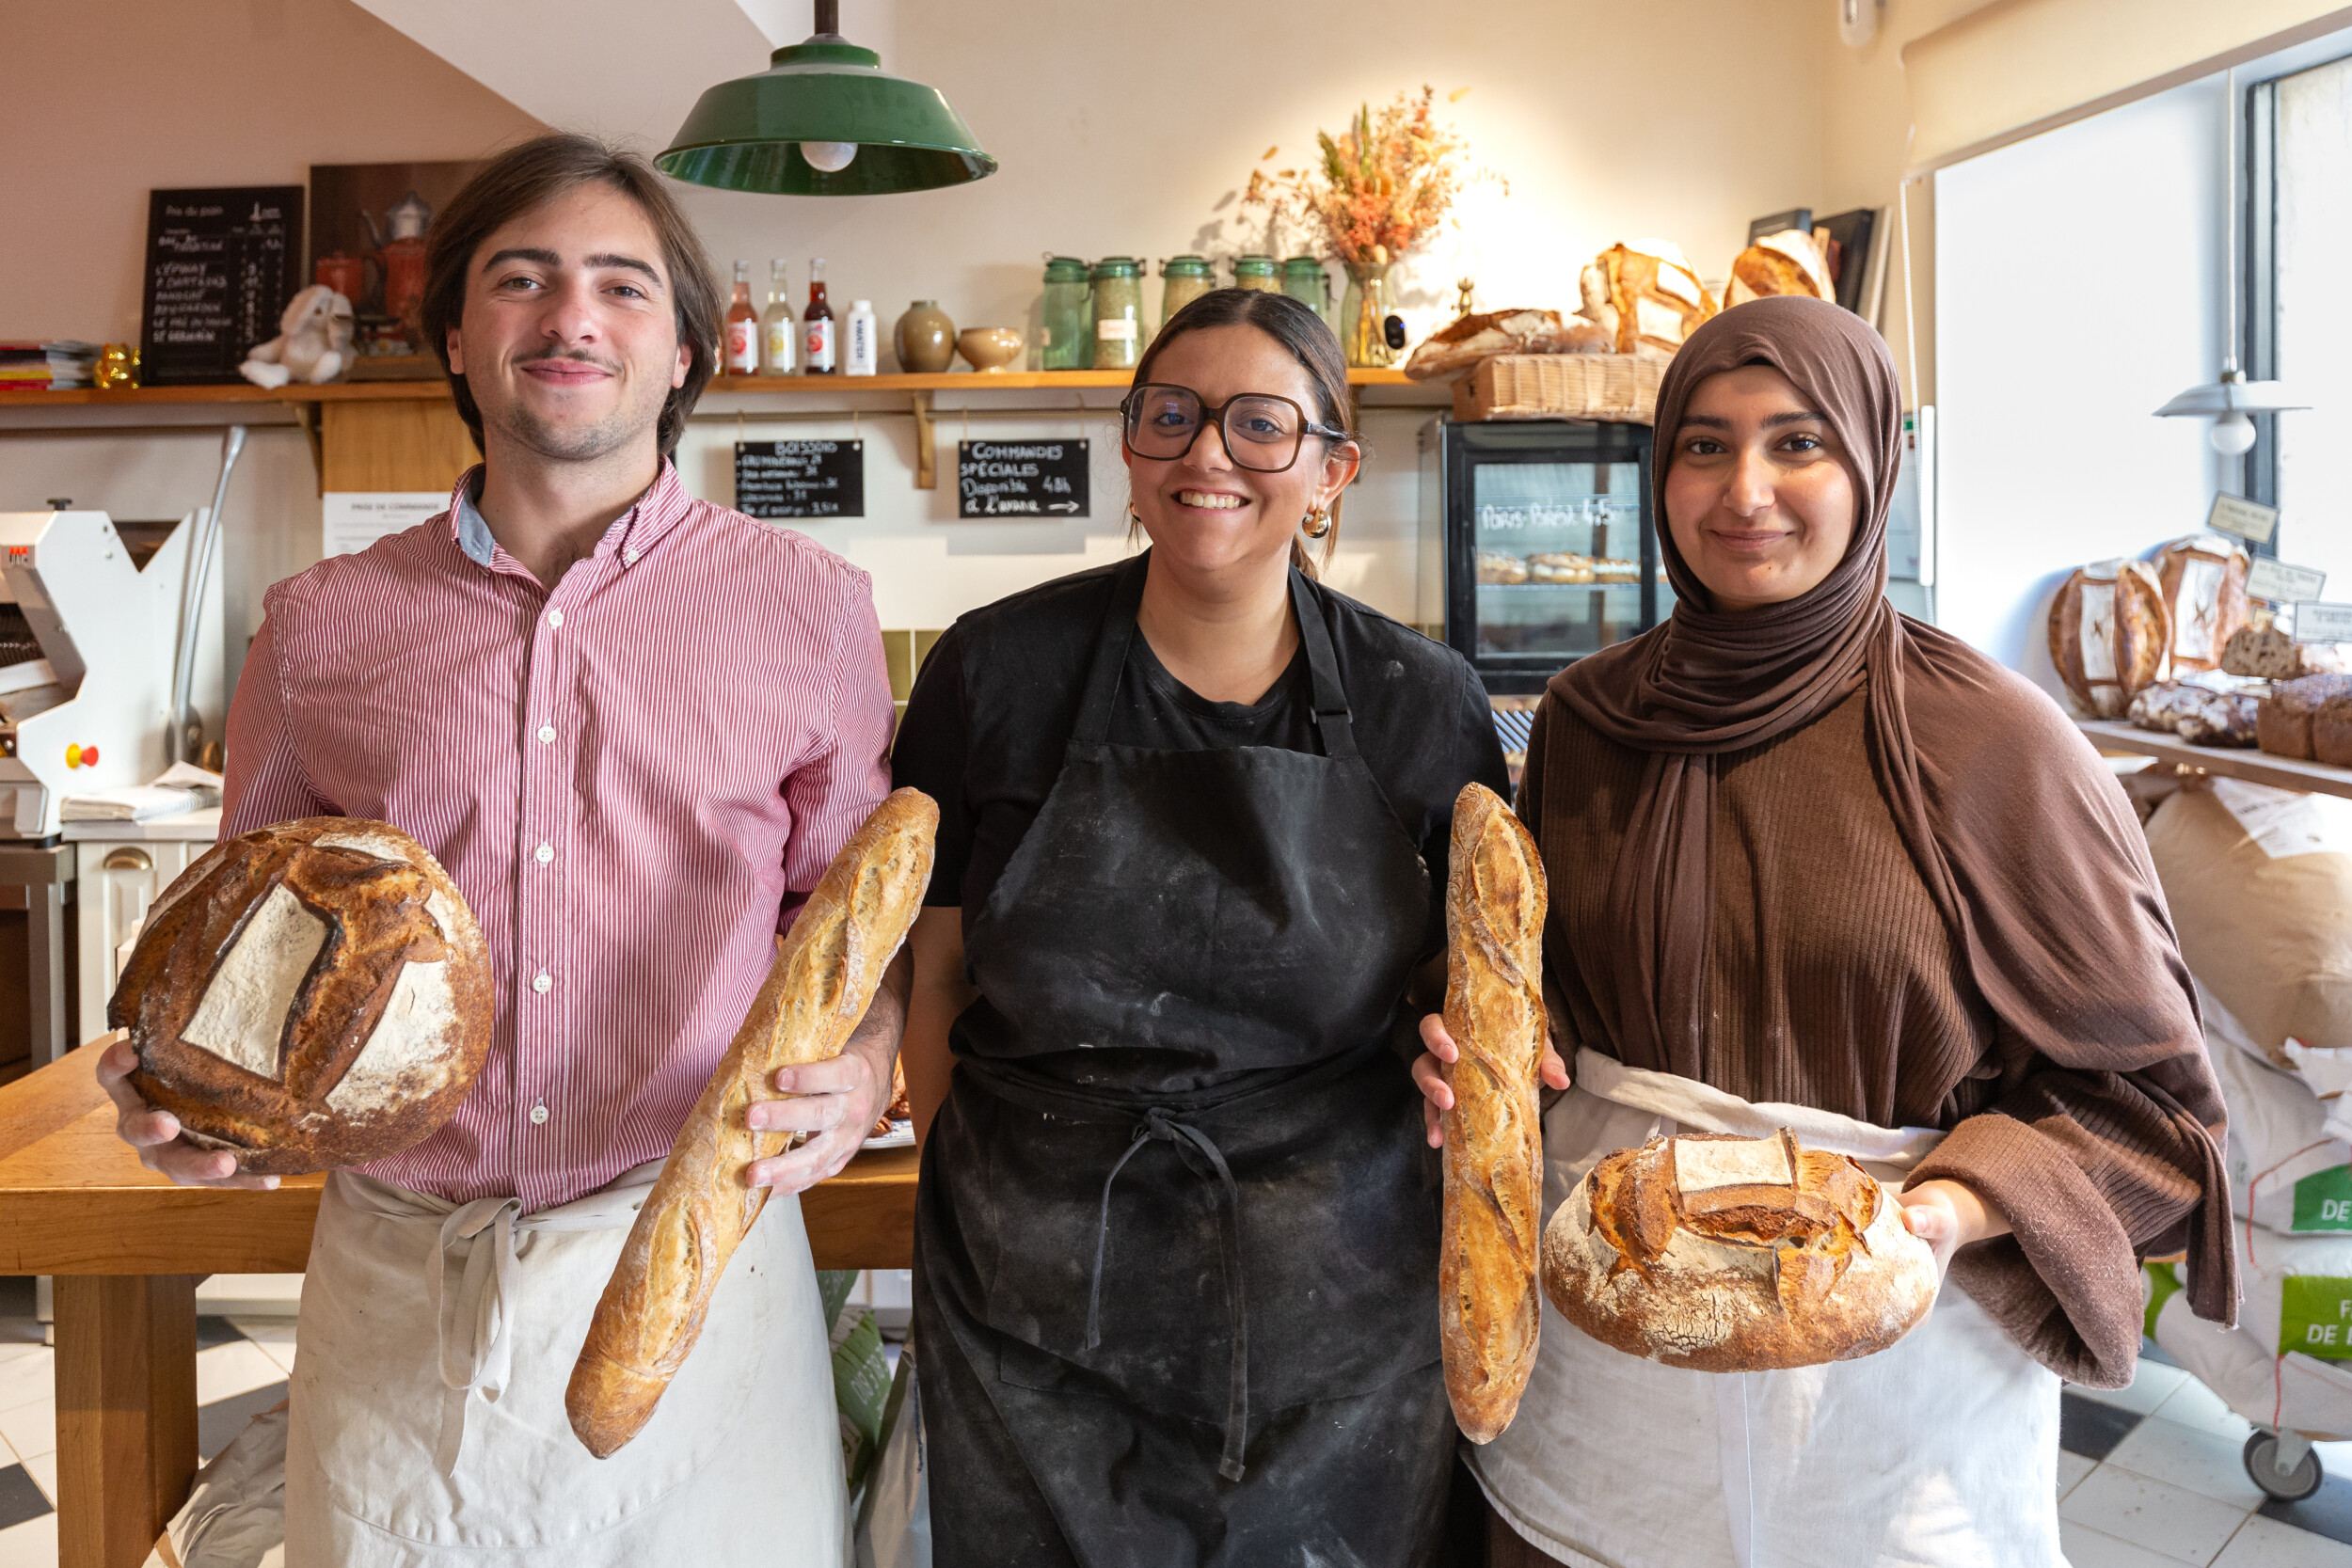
[[1538, 544]]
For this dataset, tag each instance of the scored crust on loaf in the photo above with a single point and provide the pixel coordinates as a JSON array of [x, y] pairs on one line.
[[1488, 1308], [309, 995], [819, 988], [1722, 1253]]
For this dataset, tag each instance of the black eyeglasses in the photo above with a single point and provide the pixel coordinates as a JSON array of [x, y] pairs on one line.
[[1262, 432]]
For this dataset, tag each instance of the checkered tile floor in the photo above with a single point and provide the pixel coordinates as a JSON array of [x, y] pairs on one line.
[[2148, 1477], [241, 1369]]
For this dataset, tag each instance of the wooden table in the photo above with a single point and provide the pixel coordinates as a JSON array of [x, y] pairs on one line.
[[128, 1248]]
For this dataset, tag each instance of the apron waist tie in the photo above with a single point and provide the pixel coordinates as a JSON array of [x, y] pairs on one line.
[[474, 1346], [1161, 1125]]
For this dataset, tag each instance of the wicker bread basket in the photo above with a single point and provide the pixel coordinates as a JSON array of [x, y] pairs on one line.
[[1618, 387]]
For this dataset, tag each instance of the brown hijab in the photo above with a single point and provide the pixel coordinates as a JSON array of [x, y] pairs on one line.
[[2033, 858]]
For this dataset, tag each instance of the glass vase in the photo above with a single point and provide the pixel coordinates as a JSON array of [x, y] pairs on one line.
[[1368, 300]]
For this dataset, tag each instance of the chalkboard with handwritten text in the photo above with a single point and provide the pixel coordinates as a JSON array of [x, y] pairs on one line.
[[221, 265], [1021, 478], [800, 478]]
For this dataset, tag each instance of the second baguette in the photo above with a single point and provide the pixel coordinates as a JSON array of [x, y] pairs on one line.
[[1487, 1306], [823, 978]]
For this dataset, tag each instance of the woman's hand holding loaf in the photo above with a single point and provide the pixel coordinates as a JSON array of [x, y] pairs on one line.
[[825, 974]]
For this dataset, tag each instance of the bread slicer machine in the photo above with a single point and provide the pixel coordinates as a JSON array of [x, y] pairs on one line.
[[86, 651]]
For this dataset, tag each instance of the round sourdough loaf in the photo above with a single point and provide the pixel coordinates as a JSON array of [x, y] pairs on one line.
[[311, 995], [1736, 1255]]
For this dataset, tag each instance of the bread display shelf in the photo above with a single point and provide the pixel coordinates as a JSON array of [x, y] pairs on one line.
[[2263, 768], [811, 388]]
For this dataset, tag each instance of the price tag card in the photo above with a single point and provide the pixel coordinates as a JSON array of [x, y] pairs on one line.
[[1022, 479], [800, 478], [2249, 520], [2275, 583], [2322, 622]]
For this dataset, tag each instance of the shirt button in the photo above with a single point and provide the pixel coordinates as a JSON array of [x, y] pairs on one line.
[[628, 557], [555, 617], [538, 1115], [544, 853], [546, 735], [542, 982]]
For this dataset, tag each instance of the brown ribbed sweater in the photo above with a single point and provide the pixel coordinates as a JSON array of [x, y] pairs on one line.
[[1869, 1012]]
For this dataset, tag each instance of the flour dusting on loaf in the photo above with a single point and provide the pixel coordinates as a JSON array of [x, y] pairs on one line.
[[824, 978], [1721, 1253], [309, 995], [1488, 1312]]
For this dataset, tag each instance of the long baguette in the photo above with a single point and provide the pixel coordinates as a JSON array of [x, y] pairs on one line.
[[1487, 1306], [823, 978]]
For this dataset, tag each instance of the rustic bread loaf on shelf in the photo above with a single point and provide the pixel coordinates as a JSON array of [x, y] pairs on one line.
[[1453, 349], [309, 995], [2269, 653], [824, 978], [1488, 1308], [2332, 731], [2283, 720], [2110, 634], [1723, 1254], [1647, 295], [2204, 578], [1788, 262]]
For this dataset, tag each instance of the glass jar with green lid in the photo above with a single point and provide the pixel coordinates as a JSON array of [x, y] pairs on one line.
[[1257, 272], [1182, 279], [1065, 323], [1117, 312], [1304, 281]]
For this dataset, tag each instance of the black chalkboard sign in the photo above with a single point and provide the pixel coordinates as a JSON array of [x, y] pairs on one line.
[[1021, 478], [221, 266], [800, 478]]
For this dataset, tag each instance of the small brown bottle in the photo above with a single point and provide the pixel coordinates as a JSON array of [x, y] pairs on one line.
[[818, 335]]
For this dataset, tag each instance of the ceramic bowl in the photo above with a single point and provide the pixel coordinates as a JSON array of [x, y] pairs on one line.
[[989, 348]]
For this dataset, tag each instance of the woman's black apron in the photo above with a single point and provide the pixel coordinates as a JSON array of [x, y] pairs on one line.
[[1176, 1243]]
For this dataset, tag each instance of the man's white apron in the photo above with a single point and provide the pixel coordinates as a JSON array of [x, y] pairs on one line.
[[1938, 1452], [428, 1424]]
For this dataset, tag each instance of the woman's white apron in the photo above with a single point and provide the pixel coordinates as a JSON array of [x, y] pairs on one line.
[[1940, 1451], [428, 1427]]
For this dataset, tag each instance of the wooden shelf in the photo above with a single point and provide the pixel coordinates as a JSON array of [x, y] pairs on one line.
[[765, 386], [2226, 762]]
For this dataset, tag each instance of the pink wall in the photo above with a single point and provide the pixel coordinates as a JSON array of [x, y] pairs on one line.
[[119, 96]]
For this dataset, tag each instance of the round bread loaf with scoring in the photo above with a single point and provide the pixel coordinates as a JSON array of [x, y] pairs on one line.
[[1722, 1253], [311, 995]]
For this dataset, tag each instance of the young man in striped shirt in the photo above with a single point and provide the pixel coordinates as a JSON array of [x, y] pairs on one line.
[[635, 727]]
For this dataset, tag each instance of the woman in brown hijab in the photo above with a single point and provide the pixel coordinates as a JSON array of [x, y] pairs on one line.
[[1805, 852]]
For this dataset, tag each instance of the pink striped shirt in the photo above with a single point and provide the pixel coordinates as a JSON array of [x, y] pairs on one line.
[[636, 779]]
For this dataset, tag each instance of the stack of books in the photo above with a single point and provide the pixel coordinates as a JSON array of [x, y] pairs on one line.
[[46, 367]]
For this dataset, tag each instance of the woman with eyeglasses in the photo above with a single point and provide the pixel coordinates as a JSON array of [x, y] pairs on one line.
[[1176, 1242]]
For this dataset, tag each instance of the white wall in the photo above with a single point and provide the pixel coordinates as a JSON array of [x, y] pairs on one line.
[[2077, 290], [1118, 128]]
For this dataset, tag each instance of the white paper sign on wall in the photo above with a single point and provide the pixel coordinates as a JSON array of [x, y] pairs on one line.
[[2249, 520], [358, 518], [2322, 622], [2275, 583]]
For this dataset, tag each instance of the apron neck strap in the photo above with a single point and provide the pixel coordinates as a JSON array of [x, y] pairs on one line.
[[1332, 718]]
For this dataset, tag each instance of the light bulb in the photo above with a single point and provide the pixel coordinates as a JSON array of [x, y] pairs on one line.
[[831, 157], [2231, 434]]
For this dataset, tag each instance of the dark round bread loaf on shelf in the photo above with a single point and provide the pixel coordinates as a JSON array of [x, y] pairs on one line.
[[311, 995]]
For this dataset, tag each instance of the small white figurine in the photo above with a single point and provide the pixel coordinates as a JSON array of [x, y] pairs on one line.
[[312, 346]]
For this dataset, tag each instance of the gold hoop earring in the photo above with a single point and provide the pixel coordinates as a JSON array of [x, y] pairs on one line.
[[1316, 523]]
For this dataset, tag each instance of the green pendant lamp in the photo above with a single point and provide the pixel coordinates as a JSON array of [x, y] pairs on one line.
[[824, 119]]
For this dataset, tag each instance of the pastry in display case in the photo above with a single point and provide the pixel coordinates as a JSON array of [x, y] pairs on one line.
[[1537, 543]]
